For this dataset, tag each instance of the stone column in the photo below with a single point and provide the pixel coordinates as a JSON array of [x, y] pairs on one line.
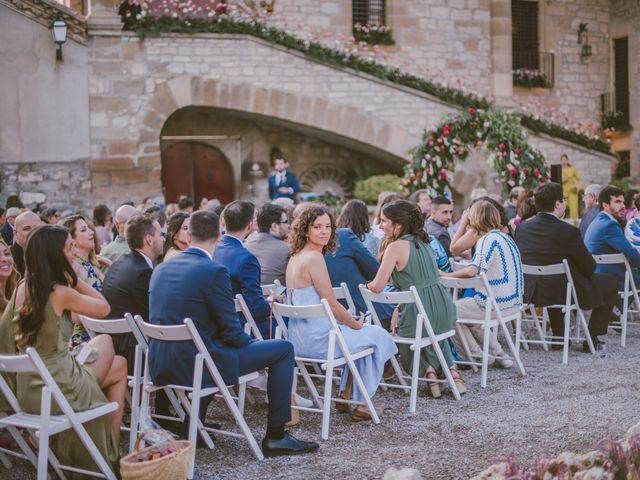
[[103, 17], [501, 62]]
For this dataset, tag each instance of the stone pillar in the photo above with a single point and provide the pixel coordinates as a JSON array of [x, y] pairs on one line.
[[501, 62], [103, 17]]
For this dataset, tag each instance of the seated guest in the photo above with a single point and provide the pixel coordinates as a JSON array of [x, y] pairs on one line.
[[547, 240], [591, 207], [7, 228], [126, 285], [38, 316], [605, 234], [192, 285], [24, 225], [8, 275], [50, 216], [158, 213], [438, 223], [409, 261], [355, 216], [177, 239], [630, 210], [313, 236], [512, 206], [496, 255], [118, 247], [466, 238], [423, 199], [383, 199], [102, 221], [269, 245], [185, 205], [632, 230], [243, 265]]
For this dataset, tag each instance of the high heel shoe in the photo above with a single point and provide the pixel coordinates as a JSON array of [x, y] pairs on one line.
[[459, 381], [434, 387]]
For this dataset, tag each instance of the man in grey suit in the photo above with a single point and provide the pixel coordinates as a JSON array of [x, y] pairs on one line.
[[269, 245]]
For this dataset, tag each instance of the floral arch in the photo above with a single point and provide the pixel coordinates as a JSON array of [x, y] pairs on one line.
[[497, 131]]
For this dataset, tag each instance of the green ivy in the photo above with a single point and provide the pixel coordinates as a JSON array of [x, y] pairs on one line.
[[155, 26]]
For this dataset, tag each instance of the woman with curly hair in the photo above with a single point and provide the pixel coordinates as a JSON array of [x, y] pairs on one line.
[[409, 261], [313, 234]]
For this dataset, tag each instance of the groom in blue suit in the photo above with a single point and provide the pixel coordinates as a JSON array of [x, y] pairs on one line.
[[192, 285], [282, 184], [605, 234]]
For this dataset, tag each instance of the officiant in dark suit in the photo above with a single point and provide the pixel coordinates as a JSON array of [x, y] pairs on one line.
[[282, 184]]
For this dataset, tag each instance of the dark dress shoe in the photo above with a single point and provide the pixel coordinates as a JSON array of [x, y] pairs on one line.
[[288, 445], [596, 343]]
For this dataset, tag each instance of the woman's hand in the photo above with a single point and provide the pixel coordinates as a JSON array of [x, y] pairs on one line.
[[358, 322], [103, 262], [394, 321]]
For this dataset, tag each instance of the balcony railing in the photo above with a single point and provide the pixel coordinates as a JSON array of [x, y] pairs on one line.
[[615, 110], [533, 69]]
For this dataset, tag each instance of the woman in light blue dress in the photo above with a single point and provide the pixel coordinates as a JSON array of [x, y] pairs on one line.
[[313, 234]]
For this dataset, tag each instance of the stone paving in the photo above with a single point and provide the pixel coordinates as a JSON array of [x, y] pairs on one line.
[[554, 408]]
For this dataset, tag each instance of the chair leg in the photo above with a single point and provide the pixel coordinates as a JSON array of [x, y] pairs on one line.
[[582, 321], [465, 347], [623, 320], [542, 328], [514, 348], [242, 393], [309, 383], [357, 380], [567, 332], [486, 336], [326, 405], [414, 379], [43, 435], [447, 372]]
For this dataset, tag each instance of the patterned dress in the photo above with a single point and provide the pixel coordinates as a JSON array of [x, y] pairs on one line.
[[93, 277]]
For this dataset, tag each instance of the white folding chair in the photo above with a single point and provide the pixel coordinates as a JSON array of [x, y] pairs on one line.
[[268, 288], [190, 395], [493, 318], [342, 293], [570, 305], [629, 290], [118, 326], [250, 327], [416, 343], [328, 363], [45, 425]]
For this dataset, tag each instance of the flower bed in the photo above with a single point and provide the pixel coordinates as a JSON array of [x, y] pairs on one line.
[[373, 34], [527, 78]]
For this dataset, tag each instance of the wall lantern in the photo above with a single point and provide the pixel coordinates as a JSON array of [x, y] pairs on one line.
[[59, 33], [583, 37]]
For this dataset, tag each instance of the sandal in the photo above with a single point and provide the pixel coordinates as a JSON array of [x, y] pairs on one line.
[[361, 415], [434, 387], [389, 373], [458, 380], [343, 407]]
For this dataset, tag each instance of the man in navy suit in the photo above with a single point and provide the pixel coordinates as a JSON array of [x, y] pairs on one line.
[[282, 184], [243, 266], [605, 234], [193, 285]]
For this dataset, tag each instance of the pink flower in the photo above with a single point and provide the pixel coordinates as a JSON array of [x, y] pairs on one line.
[[536, 172], [501, 146], [471, 110]]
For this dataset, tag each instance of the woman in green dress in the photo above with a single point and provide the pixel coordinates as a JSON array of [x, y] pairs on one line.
[[38, 316], [408, 260]]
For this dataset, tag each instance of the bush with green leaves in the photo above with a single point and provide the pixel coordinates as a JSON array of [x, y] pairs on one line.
[[368, 190]]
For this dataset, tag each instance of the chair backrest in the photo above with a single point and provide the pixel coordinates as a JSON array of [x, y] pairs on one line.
[[477, 282], [95, 326], [457, 265], [269, 287], [168, 333], [250, 325], [13, 364], [281, 310], [555, 269], [610, 258], [135, 329], [342, 293]]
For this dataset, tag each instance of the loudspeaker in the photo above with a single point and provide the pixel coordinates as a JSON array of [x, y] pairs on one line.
[[556, 173]]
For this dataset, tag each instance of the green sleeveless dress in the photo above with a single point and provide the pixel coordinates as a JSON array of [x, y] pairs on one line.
[[78, 383], [422, 272]]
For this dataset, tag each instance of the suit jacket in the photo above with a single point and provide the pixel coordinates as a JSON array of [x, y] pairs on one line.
[[587, 218], [434, 229], [191, 285], [353, 264], [272, 254], [290, 182], [546, 240], [126, 286], [244, 270], [7, 233], [605, 235]]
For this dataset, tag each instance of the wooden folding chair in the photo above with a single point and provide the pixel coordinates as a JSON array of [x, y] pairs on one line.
[[493, 318], [416, 343], [190, 395], [327, 364], [629, 290], [570, 305], [45, 425]]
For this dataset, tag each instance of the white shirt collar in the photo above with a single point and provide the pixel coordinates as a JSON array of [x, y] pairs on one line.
[[203, 250], [146, 259]]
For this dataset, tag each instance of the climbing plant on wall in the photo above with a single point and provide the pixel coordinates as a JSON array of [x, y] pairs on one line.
[[496, 131]]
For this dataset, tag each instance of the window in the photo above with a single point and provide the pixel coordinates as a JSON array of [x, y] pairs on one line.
[[372, 12]]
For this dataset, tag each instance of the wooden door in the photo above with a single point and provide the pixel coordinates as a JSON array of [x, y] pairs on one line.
[[197, 170]]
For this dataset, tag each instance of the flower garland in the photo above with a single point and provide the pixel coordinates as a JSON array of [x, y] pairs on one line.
[[499, 132]]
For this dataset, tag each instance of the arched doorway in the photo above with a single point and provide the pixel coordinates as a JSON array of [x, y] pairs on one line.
[[196, 169]]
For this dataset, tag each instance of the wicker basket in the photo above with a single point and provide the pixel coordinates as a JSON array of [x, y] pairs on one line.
[[174, 466]]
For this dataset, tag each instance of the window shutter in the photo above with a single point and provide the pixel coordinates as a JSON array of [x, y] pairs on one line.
[[524, 24], [621, 75], [369, 11]]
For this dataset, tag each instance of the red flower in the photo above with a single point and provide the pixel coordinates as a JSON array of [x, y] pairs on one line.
[[471, 110], [517, 150], [501, 146], [221, 8], [524, 169], [513, 171], [419, 174], [536, 172]]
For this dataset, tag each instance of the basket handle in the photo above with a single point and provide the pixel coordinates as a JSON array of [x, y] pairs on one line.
[[136, 447]]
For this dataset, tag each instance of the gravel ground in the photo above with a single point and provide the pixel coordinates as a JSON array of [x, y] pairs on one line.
[[552, 409]]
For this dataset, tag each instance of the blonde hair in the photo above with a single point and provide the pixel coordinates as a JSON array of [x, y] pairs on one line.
[[484, 217]]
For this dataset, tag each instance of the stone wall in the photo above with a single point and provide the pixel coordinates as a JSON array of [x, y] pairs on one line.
[[578, 82], [45, 105]]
